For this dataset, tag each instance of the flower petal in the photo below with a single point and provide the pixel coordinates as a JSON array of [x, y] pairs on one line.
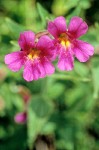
[[53, 29], [44, 42], [48, 67], [77, 27], [47, 47], [28, 71], [31, 71], [20, 117], [66, 61], [57, 27], [83, 50], [60, 23], [15, 60], [26, 40], [41, 70], [36, 72]]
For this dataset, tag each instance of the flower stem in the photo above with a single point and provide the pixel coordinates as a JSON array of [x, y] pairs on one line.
[[38, 35], [68, 77]]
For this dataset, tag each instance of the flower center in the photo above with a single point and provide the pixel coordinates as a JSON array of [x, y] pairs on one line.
[[64, 41], [34, 54]]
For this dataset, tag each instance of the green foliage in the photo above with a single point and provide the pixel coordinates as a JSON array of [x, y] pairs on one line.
[[38, 114], [64, 105]]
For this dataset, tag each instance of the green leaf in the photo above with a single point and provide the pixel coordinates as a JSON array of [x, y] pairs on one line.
[[44, 14], [55, 90], [95, 72], [14, 43], [12, 143], [75, 12], [44, 107], [14, 28], [49, 128], [62, 7], [66, 137], [38, 114], [85, 4], [81, 69]]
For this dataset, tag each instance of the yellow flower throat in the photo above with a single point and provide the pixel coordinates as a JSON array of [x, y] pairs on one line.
[[63, 39], [34, 54]]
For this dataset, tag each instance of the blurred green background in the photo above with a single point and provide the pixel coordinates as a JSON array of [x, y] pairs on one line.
[[63, 107]]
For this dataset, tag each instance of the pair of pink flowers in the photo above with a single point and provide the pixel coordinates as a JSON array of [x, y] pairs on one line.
[[36, 55]]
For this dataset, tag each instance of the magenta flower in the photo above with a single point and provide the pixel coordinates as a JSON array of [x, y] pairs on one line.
[[20, 117], [36, 57], [68, 46]]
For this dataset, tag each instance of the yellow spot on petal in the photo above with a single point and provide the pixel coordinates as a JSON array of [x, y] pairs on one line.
[[34, 54], [67, 43], [64, 41]]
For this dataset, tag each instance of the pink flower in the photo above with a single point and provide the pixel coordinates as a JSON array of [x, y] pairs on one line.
[[20, 117], [68, 46], [36, 57]]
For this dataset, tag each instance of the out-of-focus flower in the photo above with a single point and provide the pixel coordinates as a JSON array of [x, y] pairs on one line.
[[36, 57], [67, 43], [20, 117]]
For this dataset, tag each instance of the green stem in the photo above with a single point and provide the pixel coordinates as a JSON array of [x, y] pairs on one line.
[[68, 77]]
